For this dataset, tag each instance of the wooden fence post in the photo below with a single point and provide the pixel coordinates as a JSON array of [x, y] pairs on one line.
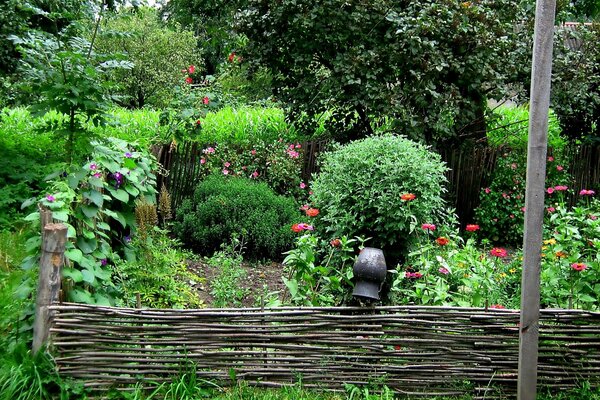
[[54, 238]]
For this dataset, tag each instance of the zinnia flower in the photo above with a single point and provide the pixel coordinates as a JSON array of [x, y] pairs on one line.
[[225, 171], [312, 212], [498, 252], [302, 185], [560, 254], [411, 275], [191, 69], [472, 227], [585, 192], [559, 168], [428, 227], [231, 57], [255, 174], [189, 80], [407, 197], [442, 241], [205, 100], [304, 226], [296, 228], [443, 271], [550, 159], [578, 266], [253, 152], [335, 243], [227, 164], [202, 160], [209, 150], [498, 306], [560, 188], [550, 190]]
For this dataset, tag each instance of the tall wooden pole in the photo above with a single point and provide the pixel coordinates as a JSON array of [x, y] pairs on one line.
[[541, 72], [54, 239]]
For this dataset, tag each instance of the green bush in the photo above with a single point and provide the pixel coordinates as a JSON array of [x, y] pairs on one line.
[[359, 189], [223, 207], [508, 126]]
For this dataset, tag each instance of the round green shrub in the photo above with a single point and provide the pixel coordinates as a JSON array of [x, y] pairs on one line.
[[359, 189], [223, 207]]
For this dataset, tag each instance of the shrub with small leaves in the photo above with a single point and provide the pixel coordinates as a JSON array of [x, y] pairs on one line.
[[223, 207], [380, 187]]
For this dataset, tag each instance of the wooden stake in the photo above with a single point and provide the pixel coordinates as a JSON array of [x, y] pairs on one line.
[[541, 72], [54, 238]]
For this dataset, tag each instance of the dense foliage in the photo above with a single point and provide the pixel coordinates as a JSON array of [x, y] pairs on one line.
[[158, 53], [380, 187], [225, 207], [429, 65]]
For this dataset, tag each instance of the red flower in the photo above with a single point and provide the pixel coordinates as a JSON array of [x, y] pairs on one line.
[[498, 306], [498, 252], [189, 80], [191, 69], [407, 197], [312, 212], [198, 122], [231, 57], [335, 243], [472, 227], [578, 266], [205, 100], [296, 228], [442, 241]]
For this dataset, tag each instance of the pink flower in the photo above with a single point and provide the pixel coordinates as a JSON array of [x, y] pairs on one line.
[[578, 266], [411, 275], [550, 159], [93, 166], [205, 100], [512, 215], [209, 150], [293, 153], [428, 227], [513, 166], [472, 227], [191, 69], [97, 175], [498, 252], [305, 207], [253, 152], [550, 190], [298, 146], [255, 174], [189, 80], [487, 190], [593, 217], [198, 122], [296, 228], [522, 209], [498, 306], [550, 209], [302, 185], [227, 164], [585, 192], [50, 198], [203, 160], [304, 226], [560, 188], [443, 271], [225, 172], [559, 168], [505, 196]]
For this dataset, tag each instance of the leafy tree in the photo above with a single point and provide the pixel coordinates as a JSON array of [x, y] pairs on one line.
[[158, 53], [212, 23], [429, 64]]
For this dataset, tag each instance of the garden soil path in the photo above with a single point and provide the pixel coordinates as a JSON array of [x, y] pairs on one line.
[[260, 279]]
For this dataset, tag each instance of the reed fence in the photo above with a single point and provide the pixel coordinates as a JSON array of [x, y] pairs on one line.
[[413, 350], [469, 171]]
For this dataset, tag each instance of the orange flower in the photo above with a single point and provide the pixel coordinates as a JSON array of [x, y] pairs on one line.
[[335, 243], [442, 241], [560, 254], [297, 228], [407, 197], [312, 212]]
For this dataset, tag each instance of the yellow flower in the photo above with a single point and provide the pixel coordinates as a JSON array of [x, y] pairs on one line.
[[560, 254], [550, 241], [512, 270], [503, 275], [544, 247]]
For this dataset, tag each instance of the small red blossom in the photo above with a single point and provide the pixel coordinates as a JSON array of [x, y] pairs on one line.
[[412, 275], [231, 57], [191, 69], [472, 227], [189, 80], [296, 228], [407, 197], [198, 122], [442, 241], [312, 212], [205, 100], [498, 252], [498, 306], [550, 159], [335, 243], [578, 266], [559, 168]]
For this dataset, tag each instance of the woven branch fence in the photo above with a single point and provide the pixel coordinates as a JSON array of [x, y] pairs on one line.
[[413, 350]]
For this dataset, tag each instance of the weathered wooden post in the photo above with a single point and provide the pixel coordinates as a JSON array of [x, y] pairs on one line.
[[54, 238], [541, 73]]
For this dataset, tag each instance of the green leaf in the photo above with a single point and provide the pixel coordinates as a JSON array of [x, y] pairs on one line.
[[132, 190], [129, 164], [87, 246], [116, 216], [88, 277], [103, 225], [74, 255], [121, 195], [102, 300], [62, 216], [95, 197], [33, 216], [81, 296], [89, 211], [73, 274]]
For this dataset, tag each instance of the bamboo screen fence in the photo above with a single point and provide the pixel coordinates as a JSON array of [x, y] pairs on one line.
[[416, 350]]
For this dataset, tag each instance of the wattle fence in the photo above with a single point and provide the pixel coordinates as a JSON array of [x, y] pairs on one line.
[[470, 170], [413, 350]]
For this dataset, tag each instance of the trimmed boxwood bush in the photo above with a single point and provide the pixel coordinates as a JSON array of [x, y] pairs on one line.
[[359, 189], [223, 207]]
